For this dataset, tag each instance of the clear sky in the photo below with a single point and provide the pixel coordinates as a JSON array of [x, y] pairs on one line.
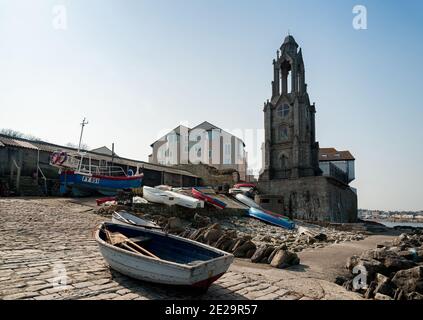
[[135, 68]]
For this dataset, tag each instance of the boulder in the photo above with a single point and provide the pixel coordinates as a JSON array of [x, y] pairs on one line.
[[370, 293], [267, 253], [409, 280], [340, 280], [225, 241], [399, 294], [239, 242], [197, 233], [284, 259], [396, 263], [215, 226], [259, 255], [212, 235], [380, 296], [372, 267], [352, 262], [174, 225], [244, 249], [414, 296], [321, 237], [384, 285], [250, 253], [200, 221]]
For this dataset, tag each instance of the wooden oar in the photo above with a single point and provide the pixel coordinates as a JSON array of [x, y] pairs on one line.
[[118, 238]]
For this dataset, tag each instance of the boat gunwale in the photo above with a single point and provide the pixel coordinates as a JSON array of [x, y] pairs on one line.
[[123, 178], [224, 256]]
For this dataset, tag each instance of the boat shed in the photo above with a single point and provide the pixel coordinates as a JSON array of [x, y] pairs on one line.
[[25, 165]]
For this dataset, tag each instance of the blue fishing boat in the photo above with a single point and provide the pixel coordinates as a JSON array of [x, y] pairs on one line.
[[271, 217], [79, 178]]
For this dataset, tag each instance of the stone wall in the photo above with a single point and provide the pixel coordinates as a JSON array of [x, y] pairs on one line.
[[310, 198], [209, 175]]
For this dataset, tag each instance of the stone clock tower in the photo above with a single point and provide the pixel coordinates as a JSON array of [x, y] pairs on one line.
[[291, 150], [291, 181]]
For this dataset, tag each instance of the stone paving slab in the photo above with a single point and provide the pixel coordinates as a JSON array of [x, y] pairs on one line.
[[47, 251]]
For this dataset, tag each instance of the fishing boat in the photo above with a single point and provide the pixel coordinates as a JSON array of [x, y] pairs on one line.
[[247, 201], [208, 199], [155, 256], [158, 196], [186, 201], [271, 217], [124, 217], [79, 177]]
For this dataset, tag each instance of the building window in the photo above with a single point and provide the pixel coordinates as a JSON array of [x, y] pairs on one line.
[[210, 153], [283, 110], [283, 133], [227, 148]]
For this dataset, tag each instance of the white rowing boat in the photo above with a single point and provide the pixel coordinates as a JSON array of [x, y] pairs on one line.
[[186, 201], [161, 258], [158, 196], [247, 201]]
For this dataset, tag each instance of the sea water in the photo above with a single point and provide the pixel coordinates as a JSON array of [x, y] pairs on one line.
[[392, 224]]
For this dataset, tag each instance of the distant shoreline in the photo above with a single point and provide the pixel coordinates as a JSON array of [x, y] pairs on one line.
[[398, 223]]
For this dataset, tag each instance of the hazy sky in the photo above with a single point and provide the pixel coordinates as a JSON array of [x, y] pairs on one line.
[[136, 68]]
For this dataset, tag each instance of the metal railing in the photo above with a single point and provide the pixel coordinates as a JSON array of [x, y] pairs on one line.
[[18, 174], [112, 171], [44, 179]]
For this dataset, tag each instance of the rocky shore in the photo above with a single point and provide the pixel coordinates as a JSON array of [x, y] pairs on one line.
[[249, 238], [392, 271]]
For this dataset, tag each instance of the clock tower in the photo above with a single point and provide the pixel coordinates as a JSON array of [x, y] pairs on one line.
[[291, 150]]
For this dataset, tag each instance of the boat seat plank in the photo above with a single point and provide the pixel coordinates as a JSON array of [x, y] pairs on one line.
[[139, 239]]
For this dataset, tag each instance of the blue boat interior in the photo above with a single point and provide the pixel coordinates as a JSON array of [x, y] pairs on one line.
[[163, 246]]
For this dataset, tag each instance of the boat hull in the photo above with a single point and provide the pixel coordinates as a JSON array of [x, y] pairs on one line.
[[206, 198], [247, 201], [186, 201], [200, 275], [272, 218], [123, 217], [81, 184], [158, 196]]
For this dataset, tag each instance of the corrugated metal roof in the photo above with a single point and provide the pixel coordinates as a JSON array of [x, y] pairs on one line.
[[17, 143], [49, 147]]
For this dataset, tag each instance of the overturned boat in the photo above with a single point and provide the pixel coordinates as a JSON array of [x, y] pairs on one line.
[[200, 193], [271, 217], [158, 196], [124, 217], [186, 201], [155, 256], [247, 201]]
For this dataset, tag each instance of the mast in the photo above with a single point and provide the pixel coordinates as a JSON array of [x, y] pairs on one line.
[[82, 131]]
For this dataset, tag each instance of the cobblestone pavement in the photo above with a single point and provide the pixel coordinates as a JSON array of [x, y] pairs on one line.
[[47, 252]]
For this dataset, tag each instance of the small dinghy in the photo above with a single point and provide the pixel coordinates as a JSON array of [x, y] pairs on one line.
[[158, 196], [247, 201], [208, 199], [186, 201], [124, 217], [155, 256], [271, 217]]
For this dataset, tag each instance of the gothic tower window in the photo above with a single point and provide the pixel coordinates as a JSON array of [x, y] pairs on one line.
[[284, 162], [283, 133], [283, 110]]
